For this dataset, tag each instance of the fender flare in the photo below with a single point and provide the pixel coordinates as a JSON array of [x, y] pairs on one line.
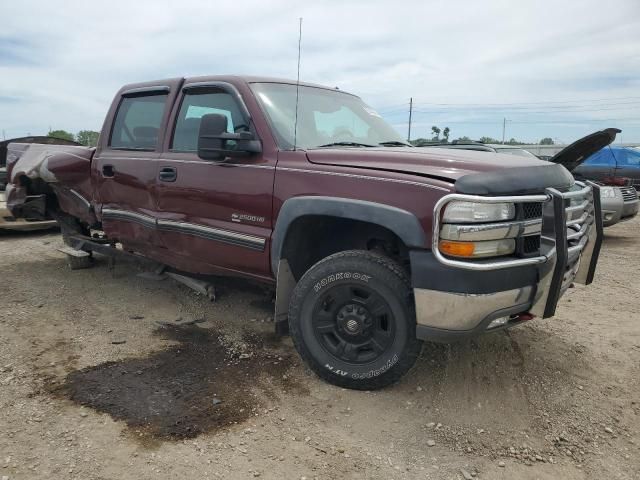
[[401, 222]]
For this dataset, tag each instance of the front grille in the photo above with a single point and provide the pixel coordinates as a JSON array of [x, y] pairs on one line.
[[531, 210], [629, 194], [528, 246], [531, 245]]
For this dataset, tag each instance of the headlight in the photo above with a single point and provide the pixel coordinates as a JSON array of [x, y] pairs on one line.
[[487, 248], [607, 192], [458, 211]]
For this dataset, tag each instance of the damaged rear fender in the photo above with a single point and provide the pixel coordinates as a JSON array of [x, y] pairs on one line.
[[62, 171]]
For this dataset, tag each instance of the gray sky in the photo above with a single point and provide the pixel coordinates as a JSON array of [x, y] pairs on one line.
[[553, 68]]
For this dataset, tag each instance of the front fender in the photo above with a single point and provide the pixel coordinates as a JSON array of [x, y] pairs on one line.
[[401, 222]]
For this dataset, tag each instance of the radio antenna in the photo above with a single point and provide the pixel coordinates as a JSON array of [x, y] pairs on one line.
[[295, 125]]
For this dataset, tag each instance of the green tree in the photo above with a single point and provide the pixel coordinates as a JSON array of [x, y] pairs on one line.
[[436, 133], [445, 134], [88, 137], [61, 134], [463, 139], [488, 140], [547, 141]]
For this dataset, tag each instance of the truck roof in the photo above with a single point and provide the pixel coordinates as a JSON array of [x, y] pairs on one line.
[[233, 79]]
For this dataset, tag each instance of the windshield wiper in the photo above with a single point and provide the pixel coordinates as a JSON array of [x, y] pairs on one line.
[[346, 144], [395, 143]]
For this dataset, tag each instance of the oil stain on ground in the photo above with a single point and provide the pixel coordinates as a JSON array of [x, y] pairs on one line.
[[196, 386]]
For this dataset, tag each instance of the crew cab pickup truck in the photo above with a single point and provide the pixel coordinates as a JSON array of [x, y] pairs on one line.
[[372, 245]]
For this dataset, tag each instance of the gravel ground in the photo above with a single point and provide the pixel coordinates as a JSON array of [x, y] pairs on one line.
[[104, 374]]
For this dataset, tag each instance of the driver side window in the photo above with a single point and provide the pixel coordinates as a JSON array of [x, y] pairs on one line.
[[194, 107]]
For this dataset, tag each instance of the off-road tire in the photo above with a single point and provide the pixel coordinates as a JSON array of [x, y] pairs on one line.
[[358, 271]]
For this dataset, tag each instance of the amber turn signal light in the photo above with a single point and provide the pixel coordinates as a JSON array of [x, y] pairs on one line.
[[483, 249], [457, 249]]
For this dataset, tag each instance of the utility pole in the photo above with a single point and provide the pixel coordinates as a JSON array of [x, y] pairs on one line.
[[4, 137], [504, 126], [410, 114]]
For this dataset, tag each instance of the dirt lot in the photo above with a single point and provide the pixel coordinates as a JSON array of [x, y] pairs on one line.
[[104, 374]]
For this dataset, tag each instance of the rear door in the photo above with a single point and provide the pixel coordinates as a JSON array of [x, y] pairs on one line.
[[215, 214], [125, 167]]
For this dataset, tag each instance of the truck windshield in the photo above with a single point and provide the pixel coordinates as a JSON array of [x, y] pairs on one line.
[[325, 118]]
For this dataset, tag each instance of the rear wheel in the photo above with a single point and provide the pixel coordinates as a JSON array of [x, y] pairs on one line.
[[352, 320]]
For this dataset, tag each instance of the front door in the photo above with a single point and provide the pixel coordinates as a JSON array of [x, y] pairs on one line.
[[215, 214]]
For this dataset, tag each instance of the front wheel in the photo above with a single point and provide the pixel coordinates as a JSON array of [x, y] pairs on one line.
[[352, 320]]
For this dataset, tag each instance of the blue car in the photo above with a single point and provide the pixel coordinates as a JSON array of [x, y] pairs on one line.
[[613, 166], [610, 165]]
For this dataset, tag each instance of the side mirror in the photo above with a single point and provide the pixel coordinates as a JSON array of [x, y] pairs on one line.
[[215, 143]]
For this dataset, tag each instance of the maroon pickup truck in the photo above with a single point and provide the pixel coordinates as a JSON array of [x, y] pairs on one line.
[[372, 245]]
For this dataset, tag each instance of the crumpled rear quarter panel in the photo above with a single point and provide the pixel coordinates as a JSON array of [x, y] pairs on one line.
[[66, 168]]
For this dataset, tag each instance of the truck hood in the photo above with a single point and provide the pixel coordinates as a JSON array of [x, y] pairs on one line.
[[572, 156], [440, 163]]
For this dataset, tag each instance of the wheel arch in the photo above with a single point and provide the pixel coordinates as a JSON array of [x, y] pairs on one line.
[[401, 222]]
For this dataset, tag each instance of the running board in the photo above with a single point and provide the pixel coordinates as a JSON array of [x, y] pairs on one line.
[[200, 286]]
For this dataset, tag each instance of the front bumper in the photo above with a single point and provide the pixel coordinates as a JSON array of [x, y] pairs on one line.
[[612, 208], [630, 209], [618, 209], [456, 299]]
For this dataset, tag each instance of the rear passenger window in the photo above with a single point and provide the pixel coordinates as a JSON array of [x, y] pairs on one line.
[[194, 107], [138, 122]]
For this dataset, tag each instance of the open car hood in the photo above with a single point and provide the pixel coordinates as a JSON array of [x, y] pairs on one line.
[[572, 156]]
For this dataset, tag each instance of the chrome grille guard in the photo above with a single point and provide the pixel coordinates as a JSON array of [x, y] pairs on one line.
[[570, 240]]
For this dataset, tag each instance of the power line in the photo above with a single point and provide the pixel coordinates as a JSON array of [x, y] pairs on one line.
[[580, 101], [557, 108], [394, 110], [584, 110], [539, 122]]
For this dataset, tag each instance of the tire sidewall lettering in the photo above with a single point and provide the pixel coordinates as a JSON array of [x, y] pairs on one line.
[[363, 376], [334, 277]]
